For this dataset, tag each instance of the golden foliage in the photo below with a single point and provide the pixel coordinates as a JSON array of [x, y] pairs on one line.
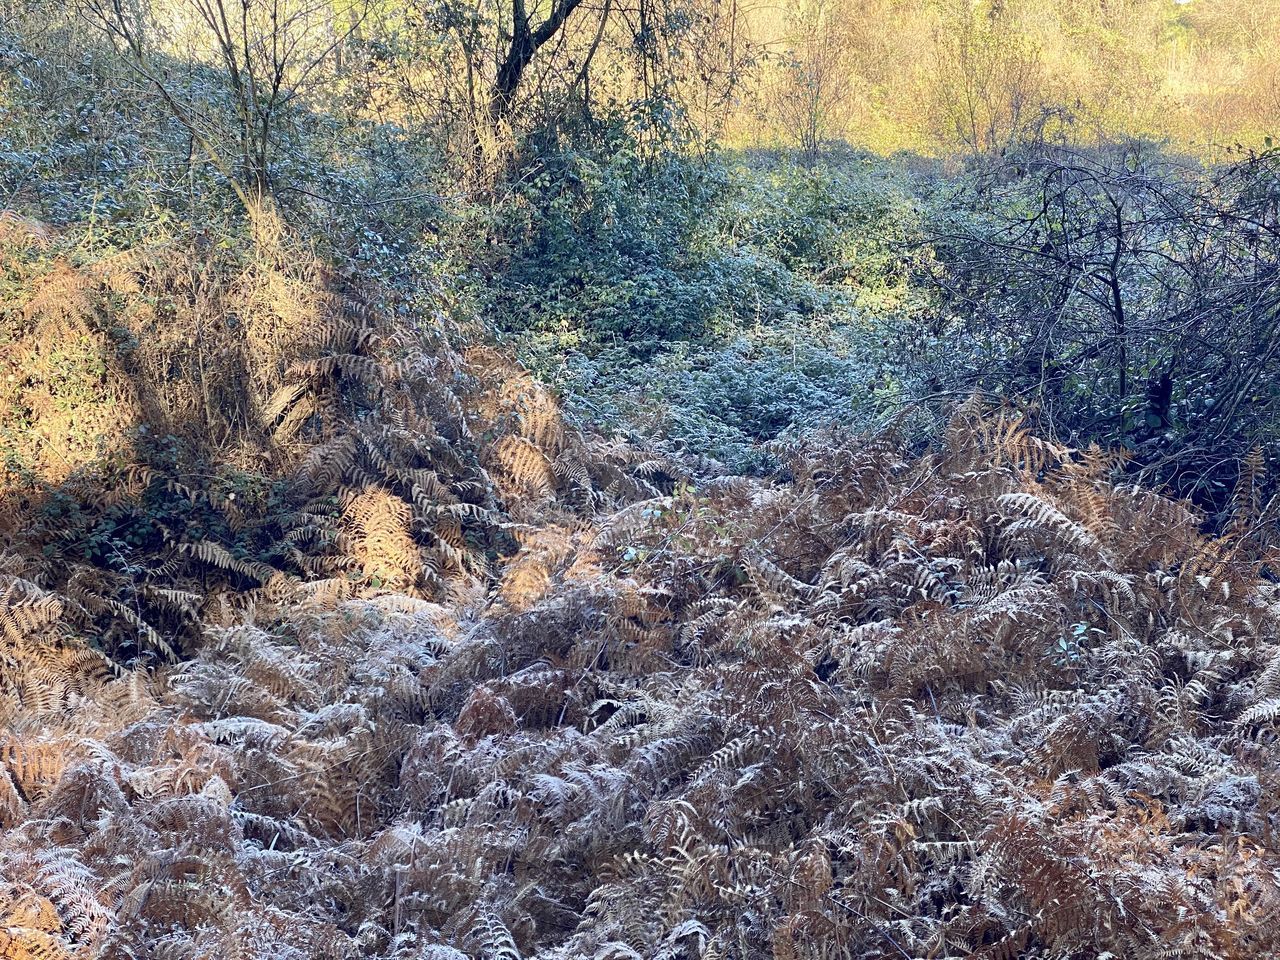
[[381, 542]]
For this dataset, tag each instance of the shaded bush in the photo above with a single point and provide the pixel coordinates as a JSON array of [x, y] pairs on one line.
[[1130, 297]]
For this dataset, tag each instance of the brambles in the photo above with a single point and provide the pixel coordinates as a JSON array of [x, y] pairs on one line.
[[1130, 296]]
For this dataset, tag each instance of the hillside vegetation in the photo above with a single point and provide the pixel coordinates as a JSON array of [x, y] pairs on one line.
[[455, 507], [976, 75]]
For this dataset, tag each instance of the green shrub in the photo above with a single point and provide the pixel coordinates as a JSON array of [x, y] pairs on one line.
[[722, 302]]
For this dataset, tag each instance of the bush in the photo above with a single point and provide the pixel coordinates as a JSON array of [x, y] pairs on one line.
[[721, 303], [728, 402], [1128, 296]]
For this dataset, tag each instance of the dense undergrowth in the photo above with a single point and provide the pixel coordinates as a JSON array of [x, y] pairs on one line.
[[444, 529], [1129, 296], [375, 654], [976, 703], [716, 304]]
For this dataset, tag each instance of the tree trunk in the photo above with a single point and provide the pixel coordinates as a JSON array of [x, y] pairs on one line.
[[525, 43]]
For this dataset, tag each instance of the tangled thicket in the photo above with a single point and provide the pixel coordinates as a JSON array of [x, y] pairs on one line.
[[448, 677], [189, 437]]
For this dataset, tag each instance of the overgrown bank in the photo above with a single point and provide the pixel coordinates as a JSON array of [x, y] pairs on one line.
[[982, 702], [442, 522]]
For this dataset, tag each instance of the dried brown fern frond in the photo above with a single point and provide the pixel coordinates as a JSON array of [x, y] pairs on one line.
[[19, 231], [524, 468], [381, 539]]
